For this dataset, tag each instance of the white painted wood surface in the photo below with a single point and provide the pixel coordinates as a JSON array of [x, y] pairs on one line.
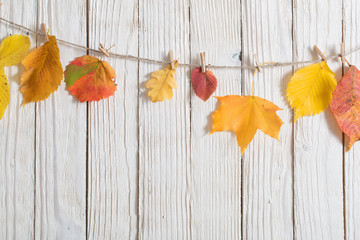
[[318, 181], [60, 173], [113, 141], [164, 127], [17, 141], [267, 168], [126, 168], [215, 174], [351, 160]]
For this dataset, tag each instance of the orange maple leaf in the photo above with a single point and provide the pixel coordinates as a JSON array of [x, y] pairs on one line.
[[244, 115], [345, 105]]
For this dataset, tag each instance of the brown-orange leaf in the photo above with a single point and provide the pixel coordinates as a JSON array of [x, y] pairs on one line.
[[204, 83], [345, 105], [244, 115], [43, 73]]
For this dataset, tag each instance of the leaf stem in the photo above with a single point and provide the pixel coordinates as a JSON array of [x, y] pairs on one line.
[[256, 70]]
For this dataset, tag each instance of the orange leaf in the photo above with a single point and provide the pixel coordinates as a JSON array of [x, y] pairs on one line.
[[345, 105], [90, 79], [43, 73], [244, 115], [204, 83]]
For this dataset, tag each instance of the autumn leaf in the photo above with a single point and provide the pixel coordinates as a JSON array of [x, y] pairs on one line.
[[244, 115], [310, 89], [90, 79], [204, 83], [162, 84], [345, 105], [13, 49], [4, 92], [43, 72]]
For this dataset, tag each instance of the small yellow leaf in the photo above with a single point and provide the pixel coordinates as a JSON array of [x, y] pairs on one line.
[[244, 115], [43, 73], [13, 50], [4, 92], [310, 89], [162, 84]]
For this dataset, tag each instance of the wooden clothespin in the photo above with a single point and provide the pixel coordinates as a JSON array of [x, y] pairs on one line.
[[43, 26], [257, 63], [202, 59], [320, 53], [171, 54], [342, 49], [105, 52]]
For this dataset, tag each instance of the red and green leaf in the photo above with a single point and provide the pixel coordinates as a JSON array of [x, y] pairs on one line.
[[345, 105], [204, 83], [90, 79]]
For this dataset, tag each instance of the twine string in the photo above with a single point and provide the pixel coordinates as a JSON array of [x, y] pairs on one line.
[[153, 61], [257, 70]]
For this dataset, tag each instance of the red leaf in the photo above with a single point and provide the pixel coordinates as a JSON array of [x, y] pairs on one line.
[[345, 105], [204, 83]]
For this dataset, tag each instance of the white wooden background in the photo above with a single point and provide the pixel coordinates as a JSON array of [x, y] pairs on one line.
[[126, 168]]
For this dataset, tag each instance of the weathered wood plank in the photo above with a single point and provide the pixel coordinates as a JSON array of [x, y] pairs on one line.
[[61, 135], [351, 161], [17, 140], [318, 198], [215, 160], [267, 167], [164, 164], [113, 144]]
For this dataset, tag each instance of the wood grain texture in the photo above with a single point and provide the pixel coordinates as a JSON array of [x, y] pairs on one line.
[[318, 193], [267, 167], [153, 172], [61, 135], [351, 161], [215, 159], [164, 157], [17, 139], [113, 144]]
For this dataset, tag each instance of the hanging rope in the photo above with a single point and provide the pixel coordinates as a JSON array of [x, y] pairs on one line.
[[148, 60]]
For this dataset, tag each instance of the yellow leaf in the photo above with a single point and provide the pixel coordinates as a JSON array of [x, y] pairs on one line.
[[244, 115], [13, 50], [310, 89], [162, 83], [4, 92], [43, 73]]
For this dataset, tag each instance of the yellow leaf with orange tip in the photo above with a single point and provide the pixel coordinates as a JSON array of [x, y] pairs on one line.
[[162, 84], [4, 92], [310, 89], [244, 115], [43, 72]]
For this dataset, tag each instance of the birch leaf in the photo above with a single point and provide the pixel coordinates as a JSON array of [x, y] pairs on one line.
[[13, 49], [43, 72], [310, 89], [4, 92], [204, 83], [345, 105], [244, 115], [162, 84], [90, 79]]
